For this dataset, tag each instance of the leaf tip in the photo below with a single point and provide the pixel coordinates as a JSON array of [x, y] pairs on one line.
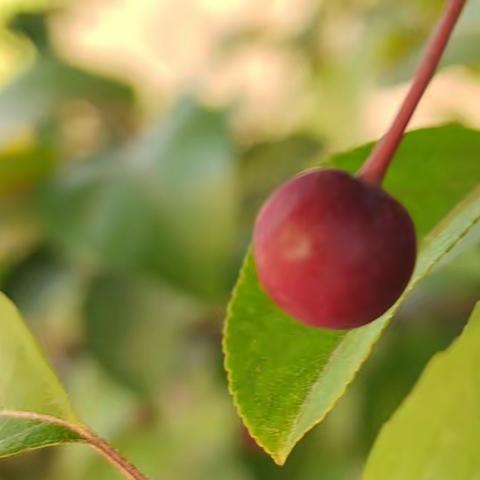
[[280, 458]]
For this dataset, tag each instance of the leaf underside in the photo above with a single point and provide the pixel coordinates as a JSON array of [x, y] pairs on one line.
[[17, 435], [284, 376]]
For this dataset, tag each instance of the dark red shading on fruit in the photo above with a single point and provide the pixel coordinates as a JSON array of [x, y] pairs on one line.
[[333, 251]]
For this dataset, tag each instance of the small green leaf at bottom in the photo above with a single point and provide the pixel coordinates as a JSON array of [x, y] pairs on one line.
[[34, 408], [28, 385], [21, 431]]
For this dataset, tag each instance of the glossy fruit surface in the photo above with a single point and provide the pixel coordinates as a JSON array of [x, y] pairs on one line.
[[332, 250]]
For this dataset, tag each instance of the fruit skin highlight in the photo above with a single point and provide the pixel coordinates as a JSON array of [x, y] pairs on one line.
[[332, 250]]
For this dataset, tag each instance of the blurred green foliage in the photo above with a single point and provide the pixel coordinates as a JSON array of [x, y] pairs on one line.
[[121, 233], [154, 206]]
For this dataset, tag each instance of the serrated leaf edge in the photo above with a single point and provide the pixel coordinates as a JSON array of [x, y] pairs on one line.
[[228, 370]]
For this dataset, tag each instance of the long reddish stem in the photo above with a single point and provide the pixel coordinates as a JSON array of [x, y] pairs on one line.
[[376, 166]]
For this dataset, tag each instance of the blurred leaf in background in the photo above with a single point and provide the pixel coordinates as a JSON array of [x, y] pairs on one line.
[[164, 205], [436, 430], [37, 95], [147, 321], [24, 164]]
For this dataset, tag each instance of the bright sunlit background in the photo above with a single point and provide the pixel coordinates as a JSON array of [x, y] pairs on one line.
[[137, 140]]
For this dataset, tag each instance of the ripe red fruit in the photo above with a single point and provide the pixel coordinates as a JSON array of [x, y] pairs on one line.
[[332, 250]]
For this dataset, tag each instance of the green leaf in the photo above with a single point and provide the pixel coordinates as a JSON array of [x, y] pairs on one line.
[[199, 424], [127, 318], [37, 94], [285, 377], [22, 167], [34, 408], [434, 169], [166, 205], [436, 431]]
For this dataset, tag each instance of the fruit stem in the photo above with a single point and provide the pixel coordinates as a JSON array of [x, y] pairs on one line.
[[376, 166]]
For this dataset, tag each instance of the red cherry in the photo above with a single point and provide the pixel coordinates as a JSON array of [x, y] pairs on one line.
[[332, 250]]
